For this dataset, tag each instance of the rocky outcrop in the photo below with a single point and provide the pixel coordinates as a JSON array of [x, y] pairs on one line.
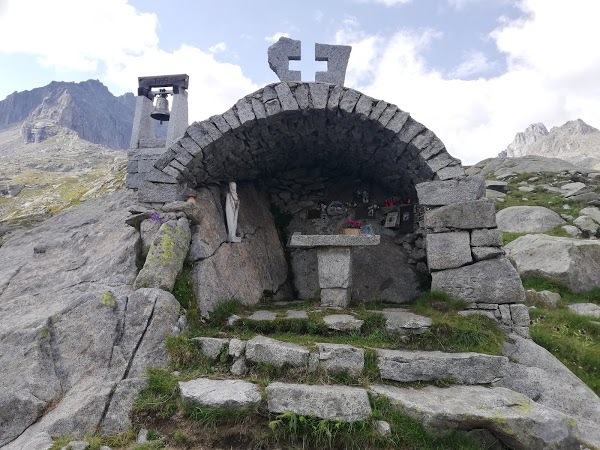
[[515, 419], [166, 256], [72, 330], [575, 141], [87, 108], [575, 263], [527, 219], [526, 164], [248, 270]]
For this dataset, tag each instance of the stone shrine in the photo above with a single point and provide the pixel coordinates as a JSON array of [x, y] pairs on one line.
[[309, 157]]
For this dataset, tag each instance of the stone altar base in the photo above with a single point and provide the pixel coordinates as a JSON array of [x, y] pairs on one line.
[[334, 257]]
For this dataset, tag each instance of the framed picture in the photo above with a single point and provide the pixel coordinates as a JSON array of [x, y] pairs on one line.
[[391, 220], [313, 214]]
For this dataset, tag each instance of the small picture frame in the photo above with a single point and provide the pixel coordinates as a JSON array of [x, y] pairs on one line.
[[391, 220]]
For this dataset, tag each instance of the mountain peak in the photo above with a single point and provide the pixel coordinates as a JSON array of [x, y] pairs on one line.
[[575, 127], [87, 107], [574, 141]]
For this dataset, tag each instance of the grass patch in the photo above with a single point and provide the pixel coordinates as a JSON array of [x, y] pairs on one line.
[[96, 441], [570, 337], [212, 416], [161, 397], [222, 312], [184, 353]]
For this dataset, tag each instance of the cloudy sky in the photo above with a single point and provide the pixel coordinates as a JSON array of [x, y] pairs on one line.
[[473, 71]]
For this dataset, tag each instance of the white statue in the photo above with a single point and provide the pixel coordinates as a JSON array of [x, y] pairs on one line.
[[232, 208]]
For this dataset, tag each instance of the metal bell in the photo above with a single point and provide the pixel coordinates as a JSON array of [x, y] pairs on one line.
[[161, 110]]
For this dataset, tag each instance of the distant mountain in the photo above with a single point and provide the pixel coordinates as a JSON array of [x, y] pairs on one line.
[[87, 108], [575, 141]]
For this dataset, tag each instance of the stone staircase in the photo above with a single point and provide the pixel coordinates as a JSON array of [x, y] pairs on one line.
[[472, 398]]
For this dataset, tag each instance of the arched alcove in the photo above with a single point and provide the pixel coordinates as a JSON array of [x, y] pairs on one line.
[[327, 136]]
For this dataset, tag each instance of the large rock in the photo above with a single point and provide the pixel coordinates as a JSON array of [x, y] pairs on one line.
[[465, 216], [536, 373], [489, 281], [574, 263], [166, 256], [346, 404], [271, 351], [525, 164], [236, 394], [585, 309], [71, 328], [527, 219], [515, 419], [464, 368], [244, 270], [592, 212]]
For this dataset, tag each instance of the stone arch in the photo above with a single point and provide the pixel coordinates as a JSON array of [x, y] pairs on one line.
[[280, 124], [286, 125]]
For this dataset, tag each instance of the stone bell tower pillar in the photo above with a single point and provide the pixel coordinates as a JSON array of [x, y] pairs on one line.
[[145, 148]]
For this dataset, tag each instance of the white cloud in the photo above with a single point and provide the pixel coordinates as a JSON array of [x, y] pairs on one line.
[[386, 2], [552, 76], [218, 47], [474, 63], [275, 37], [460, 4], [111, 40]]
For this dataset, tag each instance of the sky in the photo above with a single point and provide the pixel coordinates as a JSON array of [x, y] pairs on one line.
[[473, 71]]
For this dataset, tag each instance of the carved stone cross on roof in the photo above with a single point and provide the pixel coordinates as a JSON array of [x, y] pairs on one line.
[[285, 50]]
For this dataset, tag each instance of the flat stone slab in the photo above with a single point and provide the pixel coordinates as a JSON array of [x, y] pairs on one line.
[[220, 393], [343, 322], [465, 368], [404, 322], [271, 351], [331, 240], [517, 420], [343, 403], [341, 358], [296, 314], [335, 266], [263, 316], [585, 309]]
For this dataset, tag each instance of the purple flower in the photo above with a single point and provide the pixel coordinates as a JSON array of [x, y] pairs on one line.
[[156, 218]]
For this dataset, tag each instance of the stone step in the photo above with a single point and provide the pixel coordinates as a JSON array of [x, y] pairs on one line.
[[342, 403], [397, 320], [237, 394], [396, 365], [463, 368], [519, 422]]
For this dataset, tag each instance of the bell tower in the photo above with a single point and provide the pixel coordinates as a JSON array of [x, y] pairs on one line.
[[145, 147]]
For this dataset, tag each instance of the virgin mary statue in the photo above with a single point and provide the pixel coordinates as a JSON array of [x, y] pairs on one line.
[[232, 208]]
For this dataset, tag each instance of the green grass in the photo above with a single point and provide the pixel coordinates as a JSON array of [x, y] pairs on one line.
[[161, 397], [573, 339]]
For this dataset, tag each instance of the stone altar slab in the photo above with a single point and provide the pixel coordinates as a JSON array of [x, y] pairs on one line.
[[298, 240], [334, 260]]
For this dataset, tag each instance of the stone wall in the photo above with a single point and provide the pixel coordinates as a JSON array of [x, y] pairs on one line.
[[465, 253]]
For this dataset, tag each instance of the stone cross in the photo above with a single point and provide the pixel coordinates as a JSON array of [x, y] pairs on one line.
[[285, 50]]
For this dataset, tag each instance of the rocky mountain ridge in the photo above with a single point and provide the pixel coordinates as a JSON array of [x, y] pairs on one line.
[[87, 108], [575, 141]]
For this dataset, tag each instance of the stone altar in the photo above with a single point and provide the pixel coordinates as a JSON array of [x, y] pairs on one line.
[[334, 260]]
